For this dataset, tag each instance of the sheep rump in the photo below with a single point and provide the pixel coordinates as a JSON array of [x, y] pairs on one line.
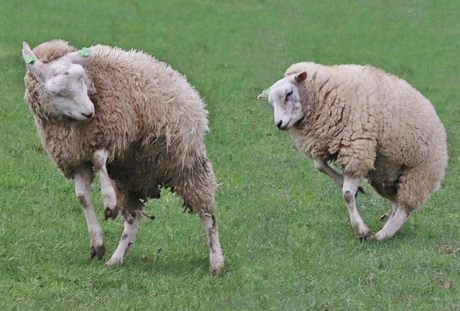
[[147, 132], [374, 125]]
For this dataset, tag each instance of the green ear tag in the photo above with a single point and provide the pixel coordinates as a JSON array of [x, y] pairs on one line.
[[29, 59], [83, 52], [267, 91]]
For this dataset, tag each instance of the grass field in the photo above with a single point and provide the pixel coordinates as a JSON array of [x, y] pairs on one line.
[[284, 227]]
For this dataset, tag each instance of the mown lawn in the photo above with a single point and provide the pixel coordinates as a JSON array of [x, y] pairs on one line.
[[284, 227]]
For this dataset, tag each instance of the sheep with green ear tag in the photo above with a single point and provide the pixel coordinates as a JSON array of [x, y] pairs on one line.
[[133, 119], [373, 125]]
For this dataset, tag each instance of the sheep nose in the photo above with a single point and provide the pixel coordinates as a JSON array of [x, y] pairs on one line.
[[279, 124]]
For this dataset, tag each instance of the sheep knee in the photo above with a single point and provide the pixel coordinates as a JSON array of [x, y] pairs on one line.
[[348, 196], [99, 159]]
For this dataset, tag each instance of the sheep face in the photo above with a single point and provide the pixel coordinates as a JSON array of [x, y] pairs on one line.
[[69, 93], [285, 98], [64, 83]]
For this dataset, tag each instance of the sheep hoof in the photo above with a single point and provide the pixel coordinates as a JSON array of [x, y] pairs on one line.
[[379, 236], [97, 251], [216, 269], [217, 263], [110, 213], [114, 261], [363, 234]]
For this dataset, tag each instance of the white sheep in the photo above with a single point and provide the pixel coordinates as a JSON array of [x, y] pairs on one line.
[[132, 118], [374, 125]]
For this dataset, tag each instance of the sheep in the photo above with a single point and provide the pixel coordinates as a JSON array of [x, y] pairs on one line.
[[134, 120], [373, 125]]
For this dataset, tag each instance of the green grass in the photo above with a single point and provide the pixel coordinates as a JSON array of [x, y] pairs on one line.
[[284, 227]]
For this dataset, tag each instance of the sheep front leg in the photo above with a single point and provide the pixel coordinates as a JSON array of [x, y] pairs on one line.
[[350, 187], [216, 258], [131, 226], [323, 167], [109, 196], [83, 177]]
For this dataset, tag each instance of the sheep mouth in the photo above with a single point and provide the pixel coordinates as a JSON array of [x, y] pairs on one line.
[[297, 123], [88, 116], [289, 124], [82, 117]]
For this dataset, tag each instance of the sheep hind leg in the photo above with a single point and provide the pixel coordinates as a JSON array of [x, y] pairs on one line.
[[83, 178], [397, 218], [349, 189], [216, 258], [131, 226], [198, 193], [109, 196]]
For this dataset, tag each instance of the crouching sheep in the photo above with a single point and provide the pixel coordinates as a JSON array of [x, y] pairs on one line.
[[132, 118], [374, 125]]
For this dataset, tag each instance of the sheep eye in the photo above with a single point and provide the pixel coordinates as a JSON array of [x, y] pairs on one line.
[[61, 93], [288, 95]]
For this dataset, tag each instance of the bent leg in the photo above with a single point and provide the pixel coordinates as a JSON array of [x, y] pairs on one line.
[[323, 167], [350, 187], [109, 196], [414, 187], [397, 218], [83, 177]]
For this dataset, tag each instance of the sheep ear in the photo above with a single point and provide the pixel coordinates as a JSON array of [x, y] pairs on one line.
[[265, 93], [300, 77], [27, 54], [80, 56], [35, 66]]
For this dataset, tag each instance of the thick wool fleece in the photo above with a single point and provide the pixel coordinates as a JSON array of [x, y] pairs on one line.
[[149, 118], [374, 125]]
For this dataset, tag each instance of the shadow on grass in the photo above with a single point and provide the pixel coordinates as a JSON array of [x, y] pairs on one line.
[[156, 265]]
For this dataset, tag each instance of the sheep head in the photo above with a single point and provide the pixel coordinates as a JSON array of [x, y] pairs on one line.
[[285, 98], [63, 80]]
